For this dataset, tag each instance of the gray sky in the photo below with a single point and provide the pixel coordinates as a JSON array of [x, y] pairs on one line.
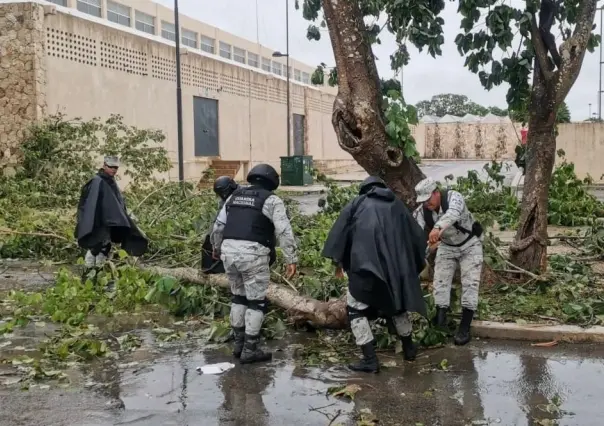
[[423, 78]]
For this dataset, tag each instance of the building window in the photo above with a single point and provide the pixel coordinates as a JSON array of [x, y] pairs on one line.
[[207, 44], [252, 60], [189, 38], [91, 7], [225, 50], [118, 13], [239, 55], [297, 75], [277, 68], [168, 31], [305, 78], [59, 2], [266, 64], [144, 22]]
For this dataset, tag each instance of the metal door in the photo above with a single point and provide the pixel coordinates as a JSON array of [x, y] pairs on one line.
[[298, 134], [205, 125]]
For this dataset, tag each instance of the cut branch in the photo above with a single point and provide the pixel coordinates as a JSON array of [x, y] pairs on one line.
[[330, 314]]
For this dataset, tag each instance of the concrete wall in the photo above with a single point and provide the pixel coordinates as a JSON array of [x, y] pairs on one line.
[[582, 142], [89, 67], [469, 140]]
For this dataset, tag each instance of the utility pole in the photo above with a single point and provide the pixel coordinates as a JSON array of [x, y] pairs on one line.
[[278, 54], [600, 72], [181, 165], [288, 77]]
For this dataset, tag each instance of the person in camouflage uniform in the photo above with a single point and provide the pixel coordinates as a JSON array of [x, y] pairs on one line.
[[244, 235], [451, 227]]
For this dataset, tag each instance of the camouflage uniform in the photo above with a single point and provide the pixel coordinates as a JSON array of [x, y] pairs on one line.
[[361, 328], [247, 263], [469, 256]]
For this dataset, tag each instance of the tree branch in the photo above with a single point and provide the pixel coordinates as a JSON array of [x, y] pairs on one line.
[[540, 51], [358, 118], [573, 50]]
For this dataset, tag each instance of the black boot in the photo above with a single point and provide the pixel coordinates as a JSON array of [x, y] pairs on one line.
[[239, 338], [409, 348], [369, 363], [440, 320], [463, 333], [251, 353]]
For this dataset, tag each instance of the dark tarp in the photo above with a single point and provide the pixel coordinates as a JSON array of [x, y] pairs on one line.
[[208, 264], [381, 247], [102, 217]]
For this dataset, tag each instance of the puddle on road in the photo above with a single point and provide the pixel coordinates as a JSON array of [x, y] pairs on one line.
[[485, 384]]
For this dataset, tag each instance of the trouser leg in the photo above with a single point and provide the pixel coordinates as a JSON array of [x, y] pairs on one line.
[[471, 270], [444, 270], [255, 272], [238, 303], [359, 324], [404, 328]]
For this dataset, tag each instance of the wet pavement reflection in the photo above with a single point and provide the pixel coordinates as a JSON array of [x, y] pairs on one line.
[[486, 383]]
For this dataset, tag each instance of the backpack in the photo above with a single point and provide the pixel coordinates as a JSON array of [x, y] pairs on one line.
[[476, 230]]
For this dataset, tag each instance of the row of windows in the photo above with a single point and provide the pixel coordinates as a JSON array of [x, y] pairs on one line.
[[120, 14]]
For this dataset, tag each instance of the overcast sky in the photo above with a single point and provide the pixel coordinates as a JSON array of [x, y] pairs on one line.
[[423, 78]]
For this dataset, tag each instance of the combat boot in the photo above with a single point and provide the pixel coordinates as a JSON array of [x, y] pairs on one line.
[[409, 348], [463, 333], [440, 320], [251, 353], [370, 362], [239, 338]]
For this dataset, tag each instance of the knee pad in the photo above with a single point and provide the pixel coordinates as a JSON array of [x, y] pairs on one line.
[[239, 300], [258, 305], [354, 313]]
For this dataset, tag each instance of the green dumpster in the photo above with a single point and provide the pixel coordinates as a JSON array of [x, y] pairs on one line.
[[296, 170]]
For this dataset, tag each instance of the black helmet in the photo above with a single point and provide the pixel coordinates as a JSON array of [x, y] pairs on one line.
[[370, 182], [264, 175], [224, 187]]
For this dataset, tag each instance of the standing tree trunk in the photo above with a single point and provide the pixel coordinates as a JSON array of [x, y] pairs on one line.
[[357, 117], [529, 250]]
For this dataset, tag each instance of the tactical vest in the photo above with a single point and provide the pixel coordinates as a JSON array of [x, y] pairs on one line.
[[245, 220], [476, 230]]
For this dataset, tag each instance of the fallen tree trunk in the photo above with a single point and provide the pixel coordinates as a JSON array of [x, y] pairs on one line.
[[330, 314]]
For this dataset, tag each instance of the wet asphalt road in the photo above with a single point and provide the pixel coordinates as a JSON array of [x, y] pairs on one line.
[[435, 169], [487, 383]]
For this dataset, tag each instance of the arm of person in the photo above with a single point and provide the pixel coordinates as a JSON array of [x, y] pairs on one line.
[[274, 209], [218, 230], [456, 207]]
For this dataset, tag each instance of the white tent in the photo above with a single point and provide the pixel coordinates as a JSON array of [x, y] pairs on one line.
[[428, 119], [449, 119], [470, 118]]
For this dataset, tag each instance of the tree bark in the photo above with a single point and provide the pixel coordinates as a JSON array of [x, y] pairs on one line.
[[357, 117], [529, 250], [330, 314], [550, 88]]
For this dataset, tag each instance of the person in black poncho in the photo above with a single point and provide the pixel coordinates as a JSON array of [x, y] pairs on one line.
[[379, 245], [102, 218]]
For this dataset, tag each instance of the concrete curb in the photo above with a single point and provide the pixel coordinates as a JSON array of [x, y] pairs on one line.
[[537, 332]]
